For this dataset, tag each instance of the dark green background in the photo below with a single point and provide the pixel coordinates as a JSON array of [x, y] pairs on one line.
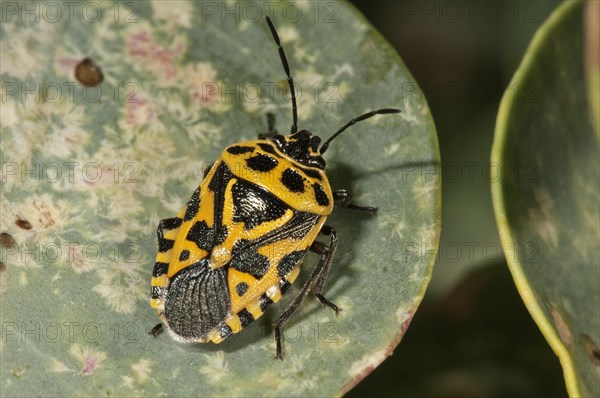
[[472, 336]]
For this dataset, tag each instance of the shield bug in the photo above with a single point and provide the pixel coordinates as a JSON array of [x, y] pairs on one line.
[[241, 239]]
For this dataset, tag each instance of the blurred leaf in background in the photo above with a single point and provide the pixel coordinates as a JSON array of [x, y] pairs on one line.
[[463, 54], [547, 200]]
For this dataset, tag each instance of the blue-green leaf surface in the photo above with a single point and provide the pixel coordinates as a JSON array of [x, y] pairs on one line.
[[87, 173]]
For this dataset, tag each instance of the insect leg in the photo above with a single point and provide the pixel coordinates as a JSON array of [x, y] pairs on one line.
[[314, 283], [327, 255], [271, 123], [343, 197], [283, 318], [270, 126], [156, 330]]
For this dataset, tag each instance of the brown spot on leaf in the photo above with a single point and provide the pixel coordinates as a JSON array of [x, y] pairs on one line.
[[561, 326], [2, 266], [7, 241], [45, 216], [591, 348], [88, 73], [24, 224]]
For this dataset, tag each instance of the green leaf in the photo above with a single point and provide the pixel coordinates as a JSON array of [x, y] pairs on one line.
[[592, 60], [93, 169], [546, 196]]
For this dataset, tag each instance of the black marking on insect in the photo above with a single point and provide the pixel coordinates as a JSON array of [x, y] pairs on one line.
[[293, 180], [262, 163], [241, 288]]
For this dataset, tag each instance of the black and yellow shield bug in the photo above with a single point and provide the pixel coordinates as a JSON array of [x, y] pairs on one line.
[[240, 241]]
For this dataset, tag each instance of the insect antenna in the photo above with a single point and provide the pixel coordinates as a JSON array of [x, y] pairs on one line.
[[286, 67], [355, 120]]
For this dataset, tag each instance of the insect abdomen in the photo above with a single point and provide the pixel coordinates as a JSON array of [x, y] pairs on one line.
[[237, 249]]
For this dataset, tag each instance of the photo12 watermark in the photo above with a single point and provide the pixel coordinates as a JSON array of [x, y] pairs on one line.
[[468, 11], [70, 172], [69, 332], [92, 332], [269, 92], [467, 172], [466, 252], [68, 11], [68, 91], [78, 254], [470, 91], [254, 11]]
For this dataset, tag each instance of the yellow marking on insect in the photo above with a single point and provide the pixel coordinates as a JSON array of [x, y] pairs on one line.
[[236, 277], [271, 180], [156, 303], [206, 212], [228, 206], [279, 249], [196, 254], [291, 277], [234, 323], [171, 234], [161, 280], [254, 309], [255, 289], [274, 293], [215, 337], [164, 257], [268, 226]]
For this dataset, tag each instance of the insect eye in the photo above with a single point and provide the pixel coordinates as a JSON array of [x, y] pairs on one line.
[[302, 135], [314, 143]]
